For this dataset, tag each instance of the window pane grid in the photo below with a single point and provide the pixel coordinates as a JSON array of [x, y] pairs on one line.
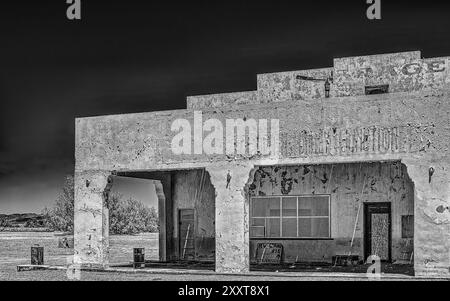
[[281, 208], [297, 215], [281, 218]]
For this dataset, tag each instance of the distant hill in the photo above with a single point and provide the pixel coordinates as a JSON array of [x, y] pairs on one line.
[[22, 220]]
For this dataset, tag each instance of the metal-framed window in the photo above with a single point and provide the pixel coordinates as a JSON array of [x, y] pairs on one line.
[[302, 216]]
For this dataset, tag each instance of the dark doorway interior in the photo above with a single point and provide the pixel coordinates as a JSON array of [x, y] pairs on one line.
[[377, 230]]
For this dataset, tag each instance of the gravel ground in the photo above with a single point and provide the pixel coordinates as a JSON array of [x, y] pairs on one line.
[[15, 250], [10, 273]]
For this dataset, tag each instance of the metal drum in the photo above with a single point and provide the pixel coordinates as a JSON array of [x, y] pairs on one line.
[[37, 255], [138, 258]]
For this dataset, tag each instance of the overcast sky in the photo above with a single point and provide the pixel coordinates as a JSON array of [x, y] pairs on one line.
[[135, 56]]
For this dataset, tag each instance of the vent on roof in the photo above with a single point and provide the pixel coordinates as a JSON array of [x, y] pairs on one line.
[[381, 89]]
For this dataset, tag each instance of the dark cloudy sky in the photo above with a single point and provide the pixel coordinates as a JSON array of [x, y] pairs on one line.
[[137, 56]]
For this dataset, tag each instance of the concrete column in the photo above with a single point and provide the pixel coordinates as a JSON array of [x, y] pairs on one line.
[[431, 217], [162, 215], [91, 220], [232, 217]]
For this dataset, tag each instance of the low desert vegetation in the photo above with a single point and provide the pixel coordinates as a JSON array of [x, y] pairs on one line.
[[131, 216], [125, 216], [60, 216], [5, 223], [22, 222]]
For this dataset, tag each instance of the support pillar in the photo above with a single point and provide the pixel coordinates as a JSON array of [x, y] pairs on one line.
[[431, 217], [232, 217], [164, 239], [91, 220]]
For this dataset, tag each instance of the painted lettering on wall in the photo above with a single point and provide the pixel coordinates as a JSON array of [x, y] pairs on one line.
[[416, 68], [344, 141]]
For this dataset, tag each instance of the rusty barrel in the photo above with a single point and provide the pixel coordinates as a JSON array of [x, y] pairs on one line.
[[37, 255], [138, 258]]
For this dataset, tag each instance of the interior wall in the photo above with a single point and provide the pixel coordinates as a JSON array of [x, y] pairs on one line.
[[382, 182], [188, 192]]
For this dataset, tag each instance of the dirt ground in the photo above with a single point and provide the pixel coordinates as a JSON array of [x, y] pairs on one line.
[[15, 250], [96, 276], [400, 269]]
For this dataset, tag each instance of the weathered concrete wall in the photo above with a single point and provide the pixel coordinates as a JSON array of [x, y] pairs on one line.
[[432, 215], [190, 193], [352, 74], [412, 127], [388, 125], [409, 126], [221, 100], [232, 218], [348, 185], [401, 71], [91, 220], [285, 86]]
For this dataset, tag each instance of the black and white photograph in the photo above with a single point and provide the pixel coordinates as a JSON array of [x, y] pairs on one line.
[[253, 142]]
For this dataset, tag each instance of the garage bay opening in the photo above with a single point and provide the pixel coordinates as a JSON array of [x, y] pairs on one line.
[[133, 219], [185, 206], [332, 217]]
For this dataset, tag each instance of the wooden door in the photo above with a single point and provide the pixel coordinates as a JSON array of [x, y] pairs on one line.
[[377, 230]]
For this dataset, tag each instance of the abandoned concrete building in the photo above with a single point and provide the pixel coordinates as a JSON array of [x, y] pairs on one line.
[[359, 164]]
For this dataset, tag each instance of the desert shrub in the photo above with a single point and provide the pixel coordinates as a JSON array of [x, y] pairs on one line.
[[35, 222], [126, 217], [5, 223], [131, 216], [60, 216]]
